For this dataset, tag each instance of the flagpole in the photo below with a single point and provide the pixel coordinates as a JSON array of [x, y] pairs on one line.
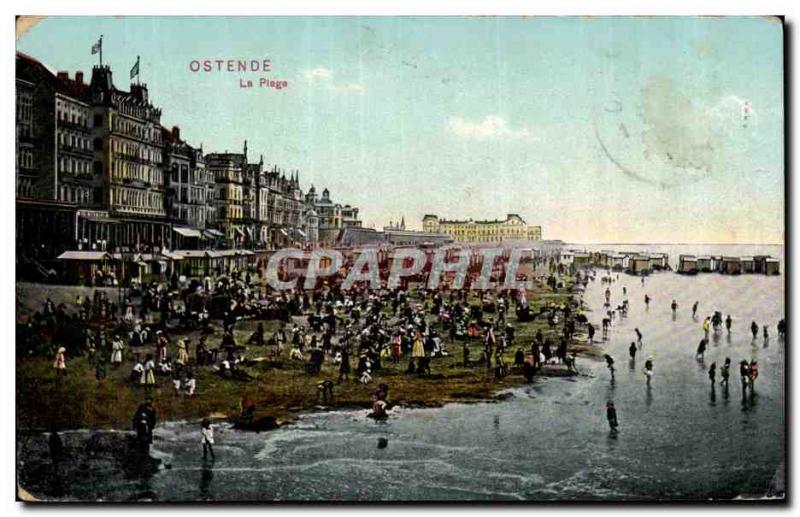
[[101, 50], [138, 71]]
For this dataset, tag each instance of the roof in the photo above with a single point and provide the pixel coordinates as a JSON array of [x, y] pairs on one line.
[[68, 87], [85, 255], [190, 253]]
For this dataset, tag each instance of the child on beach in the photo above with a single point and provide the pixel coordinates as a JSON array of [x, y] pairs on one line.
[[207, 434]]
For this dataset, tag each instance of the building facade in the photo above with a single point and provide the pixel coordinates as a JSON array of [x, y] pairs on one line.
[[129, 162], [94, 162], [53, 135], [227, 169], [513, 227]]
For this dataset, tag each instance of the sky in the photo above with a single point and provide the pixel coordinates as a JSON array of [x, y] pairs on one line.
[[598, 129]]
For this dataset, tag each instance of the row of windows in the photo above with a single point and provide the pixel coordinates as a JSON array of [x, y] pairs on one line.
[[228, 174], [25, 187], [135, 171], [73, 166], [193, 215], [197, 176], [25, 108], [69, 112], [73, 140], [229, 212], [130, 149], [137, 130], [25, 158], [124, 198], [229, 193], [69, 194], [185, 195]]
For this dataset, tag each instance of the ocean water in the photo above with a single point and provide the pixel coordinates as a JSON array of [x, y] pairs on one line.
[[678, 439]]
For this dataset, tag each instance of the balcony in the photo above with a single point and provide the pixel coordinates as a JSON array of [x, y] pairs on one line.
[[84, 152]]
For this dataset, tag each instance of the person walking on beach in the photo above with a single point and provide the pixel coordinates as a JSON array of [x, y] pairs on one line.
[[744, 373], [725, 372], [149, 371], [590, 329], [694, 309], [638, 336], [753, 375], [701, 349], [712, 374], [648, 369], [116, 351], [766, 334], [706, 325], [646, 299], [754, 329], [728, 323], [611, 416], [674, 306], [344, 366], [60, 363], [632, 350], [609, 363], [207, 438]]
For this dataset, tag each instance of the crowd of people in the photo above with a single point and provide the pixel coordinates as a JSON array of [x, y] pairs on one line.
[[167, 333]]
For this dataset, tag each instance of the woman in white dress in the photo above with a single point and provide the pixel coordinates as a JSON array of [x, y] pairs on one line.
[[116, 351]]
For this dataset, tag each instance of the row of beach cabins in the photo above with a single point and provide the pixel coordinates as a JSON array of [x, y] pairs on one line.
[[635, 263], [644, 263], [760, 264]]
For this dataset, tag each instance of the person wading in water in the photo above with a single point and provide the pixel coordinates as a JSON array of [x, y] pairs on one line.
[[701, 349], [611, 416], [648, 369]]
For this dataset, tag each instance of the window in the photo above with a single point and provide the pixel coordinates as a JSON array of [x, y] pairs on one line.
[[98, 144], [98, 170], [98, 121]]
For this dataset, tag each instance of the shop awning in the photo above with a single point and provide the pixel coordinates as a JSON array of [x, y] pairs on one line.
[[188, 232], [85, 255], [171, 255], [214, 234]]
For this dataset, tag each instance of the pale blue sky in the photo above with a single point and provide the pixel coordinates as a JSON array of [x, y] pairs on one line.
[[602, 129]]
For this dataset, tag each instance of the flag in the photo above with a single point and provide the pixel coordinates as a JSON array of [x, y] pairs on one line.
[[135, 69], [97, 47]]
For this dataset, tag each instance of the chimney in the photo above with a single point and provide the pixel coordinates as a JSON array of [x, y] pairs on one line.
[[63, 76], [79, 77], [176, 132]]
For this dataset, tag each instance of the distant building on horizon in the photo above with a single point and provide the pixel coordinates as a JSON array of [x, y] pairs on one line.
[[513, 227]]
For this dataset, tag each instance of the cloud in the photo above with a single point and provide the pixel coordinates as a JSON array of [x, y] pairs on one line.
[[490, 128], [321, 73], [324, 76]]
